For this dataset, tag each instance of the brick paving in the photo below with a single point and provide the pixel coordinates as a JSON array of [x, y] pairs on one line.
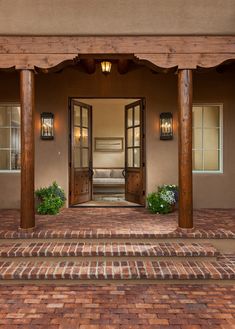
[[117, 307], [111, 249], [120, 223], [117, 270]]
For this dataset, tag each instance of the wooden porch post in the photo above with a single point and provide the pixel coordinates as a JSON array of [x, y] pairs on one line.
[[185, 149], [27, 149]]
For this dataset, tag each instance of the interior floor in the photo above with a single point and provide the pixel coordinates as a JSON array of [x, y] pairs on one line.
[[109, 203], [109, 200], [110, 197]]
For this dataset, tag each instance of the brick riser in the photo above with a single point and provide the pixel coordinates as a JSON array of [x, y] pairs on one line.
[[116, 234], [101, 249], [117, 270], [135, 261]]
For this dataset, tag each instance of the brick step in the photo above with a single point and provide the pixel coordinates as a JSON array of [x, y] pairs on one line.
[[116, 270], [106, 249], [116, 234]]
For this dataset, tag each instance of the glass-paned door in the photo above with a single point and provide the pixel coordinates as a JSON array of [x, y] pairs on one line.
[[134, 157], [81, 153]]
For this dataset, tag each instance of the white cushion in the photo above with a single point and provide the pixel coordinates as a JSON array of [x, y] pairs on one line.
[[108, 181]]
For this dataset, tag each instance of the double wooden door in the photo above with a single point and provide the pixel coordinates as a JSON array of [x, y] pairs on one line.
[[81, 170]]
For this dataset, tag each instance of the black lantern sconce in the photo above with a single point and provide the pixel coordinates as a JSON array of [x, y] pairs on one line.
[[166, 126], [47, 125]]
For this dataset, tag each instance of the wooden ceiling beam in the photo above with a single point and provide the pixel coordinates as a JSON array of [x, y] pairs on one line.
[[52, 53], [89, 64], [123, 66]]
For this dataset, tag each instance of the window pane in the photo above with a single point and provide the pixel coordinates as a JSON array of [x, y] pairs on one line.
[[197, 160], [4, 160], [85, 158], [15, 160], [211, 160], [197, 116], [137, 136], [130, 157], [77, 115], [77, 136], [211, 116], [77, 157], [137, 115], [15, 139], [136, 157], [5, 137], [9, 137], [211, 139], [85, 117], [15, 116], [130, 137], [197, 138], [130, 117], [5, 116], [85, 137]]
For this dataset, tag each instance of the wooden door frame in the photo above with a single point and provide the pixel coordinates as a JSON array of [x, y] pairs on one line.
[[70, 167], [143, 99]]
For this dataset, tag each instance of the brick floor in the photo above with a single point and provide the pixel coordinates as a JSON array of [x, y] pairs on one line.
[[117, 307], [121, 222], [76, 249]]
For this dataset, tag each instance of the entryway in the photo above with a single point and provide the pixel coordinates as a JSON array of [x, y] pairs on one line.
[[107, 152]]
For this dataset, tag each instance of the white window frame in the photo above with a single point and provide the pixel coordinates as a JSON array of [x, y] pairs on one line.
[[221, 162], [7, 171]]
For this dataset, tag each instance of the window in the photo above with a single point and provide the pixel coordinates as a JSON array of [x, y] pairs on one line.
[[207, 138], [9, 137]]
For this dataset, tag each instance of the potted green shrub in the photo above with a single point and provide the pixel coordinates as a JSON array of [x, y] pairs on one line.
[[163, 200], [51, 199]]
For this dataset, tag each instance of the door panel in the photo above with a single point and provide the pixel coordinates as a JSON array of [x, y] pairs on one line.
[[134, 153], [81, 153]]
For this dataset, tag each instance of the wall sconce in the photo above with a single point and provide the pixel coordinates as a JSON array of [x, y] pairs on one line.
[[47, 125], [166, 126], [106, 67]]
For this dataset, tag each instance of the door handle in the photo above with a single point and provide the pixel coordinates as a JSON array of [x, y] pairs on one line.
[[90, 172]]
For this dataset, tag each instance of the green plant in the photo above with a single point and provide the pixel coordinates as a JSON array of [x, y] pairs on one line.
[[163, 200], [157, 205], [51, 199]]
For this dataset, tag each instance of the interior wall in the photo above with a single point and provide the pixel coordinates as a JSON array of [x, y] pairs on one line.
[[108, 122], [160, 91]]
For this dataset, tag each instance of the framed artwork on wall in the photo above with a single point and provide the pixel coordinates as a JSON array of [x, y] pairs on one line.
[[108, 144]]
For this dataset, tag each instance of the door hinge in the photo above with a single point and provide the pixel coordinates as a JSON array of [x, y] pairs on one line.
[[70, 193], [143, 192], [143, 164], [70, 164], [144, 103]]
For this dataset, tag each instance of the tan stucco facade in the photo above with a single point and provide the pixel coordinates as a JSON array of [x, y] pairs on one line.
[[105, 17], [160, 91]]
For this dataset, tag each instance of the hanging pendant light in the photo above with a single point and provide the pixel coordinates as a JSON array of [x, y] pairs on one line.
[[106, 67]]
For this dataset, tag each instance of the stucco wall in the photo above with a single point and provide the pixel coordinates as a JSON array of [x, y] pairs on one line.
[[63, 17], [53, 90]]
